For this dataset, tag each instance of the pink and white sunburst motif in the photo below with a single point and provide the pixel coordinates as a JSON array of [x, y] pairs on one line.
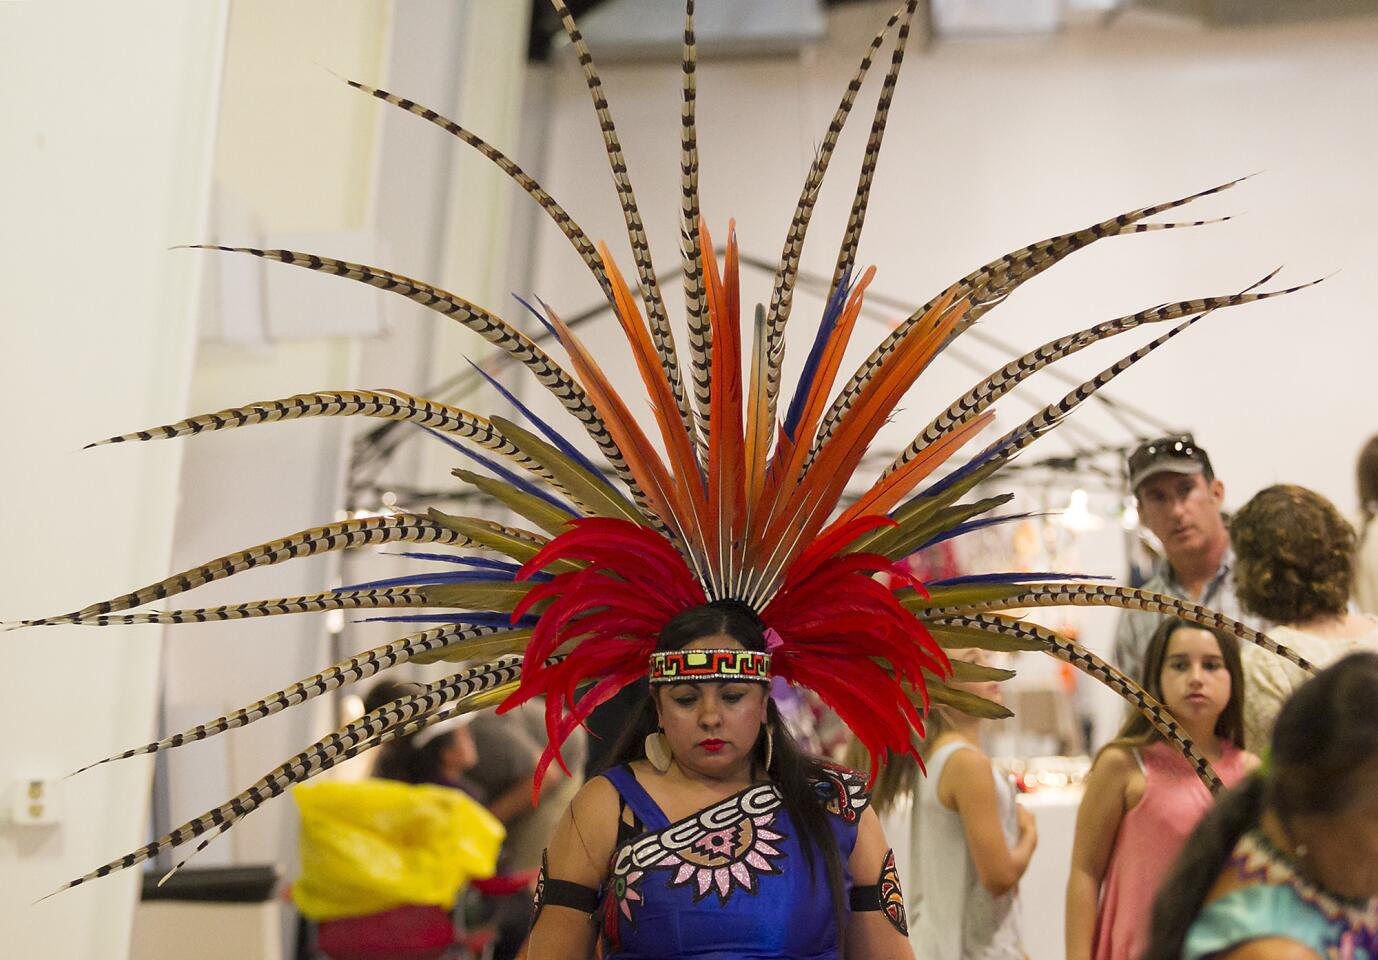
[[726, 859], [624, 890]]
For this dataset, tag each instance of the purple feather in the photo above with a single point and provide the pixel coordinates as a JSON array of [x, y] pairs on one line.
[[539, 316], [438, 578], [971, 525], [831, 313], [520, 483], [484, 562], [1011, 578], [473, 619], [551, 434], [965, 470]]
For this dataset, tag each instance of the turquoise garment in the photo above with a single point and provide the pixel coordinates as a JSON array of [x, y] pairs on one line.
[[1279, 903], [1256, 912]]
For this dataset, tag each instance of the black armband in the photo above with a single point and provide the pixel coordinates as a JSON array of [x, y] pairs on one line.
[[885, 895], [561, 893]]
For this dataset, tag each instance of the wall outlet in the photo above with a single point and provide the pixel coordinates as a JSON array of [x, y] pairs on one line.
[[35, 802]]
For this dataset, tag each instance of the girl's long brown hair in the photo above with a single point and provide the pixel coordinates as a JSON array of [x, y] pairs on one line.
[[1138, 732]]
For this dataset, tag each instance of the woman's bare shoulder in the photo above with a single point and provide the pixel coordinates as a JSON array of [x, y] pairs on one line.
[[596, 797], [1116, 762]]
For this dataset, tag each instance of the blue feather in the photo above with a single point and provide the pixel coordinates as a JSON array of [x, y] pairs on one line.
[[831, 313], [971, 525], [539, 316], [965, 470], [1011, 578], [551, 434], [437, 579], [519, 482], [483, 562], [473, 619]]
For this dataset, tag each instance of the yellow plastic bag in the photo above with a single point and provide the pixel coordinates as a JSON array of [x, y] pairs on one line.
[[374, 845]]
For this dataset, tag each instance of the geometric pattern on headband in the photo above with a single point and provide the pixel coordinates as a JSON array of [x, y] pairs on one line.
[[698, 666]]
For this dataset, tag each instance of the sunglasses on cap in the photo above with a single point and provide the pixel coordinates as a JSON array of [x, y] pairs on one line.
[[1172, 454]]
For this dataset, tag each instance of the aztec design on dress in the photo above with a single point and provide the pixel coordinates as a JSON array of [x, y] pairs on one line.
[[727, 859], [1258, 860], [722, 849], [844, 793], [538, 895]]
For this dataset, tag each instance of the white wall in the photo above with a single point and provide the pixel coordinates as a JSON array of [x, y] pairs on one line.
[[300, 174], [105, 162], [327, 168], [993, 144], [110, 163]]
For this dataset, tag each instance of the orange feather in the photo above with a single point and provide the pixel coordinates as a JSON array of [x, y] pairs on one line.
[[811, 502], [725, 406], [829, 362], [679, 446], [883, 497], [643, 462], [841, 455]]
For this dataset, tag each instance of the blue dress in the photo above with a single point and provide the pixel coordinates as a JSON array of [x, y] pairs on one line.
[[730, 881]]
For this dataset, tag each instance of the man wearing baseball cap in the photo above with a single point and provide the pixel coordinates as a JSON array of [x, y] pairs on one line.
[[1179, 498]]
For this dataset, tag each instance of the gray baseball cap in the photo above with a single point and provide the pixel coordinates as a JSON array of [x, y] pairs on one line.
[[1172, 454]]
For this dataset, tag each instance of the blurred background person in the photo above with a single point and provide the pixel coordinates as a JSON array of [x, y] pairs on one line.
[[385, 846], [441, 754], [1179, 499], [1286, 866], [1143, 797], [1366, 574], [509, 746], [1294, 566], [970, 840], [492, 758]]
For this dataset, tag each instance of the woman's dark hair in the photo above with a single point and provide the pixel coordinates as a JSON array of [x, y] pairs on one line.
[[1138, 732], [1294, 555], [1368, 479], [401, 759], [1325, 745], [791, 768]]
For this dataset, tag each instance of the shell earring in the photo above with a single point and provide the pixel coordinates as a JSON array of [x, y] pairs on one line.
[[770, 746], [658, 751]]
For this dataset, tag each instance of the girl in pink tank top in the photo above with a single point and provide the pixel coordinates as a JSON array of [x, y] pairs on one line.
[[1143, 798]]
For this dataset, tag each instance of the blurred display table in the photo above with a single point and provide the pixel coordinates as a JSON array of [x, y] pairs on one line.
[[1043, 890]]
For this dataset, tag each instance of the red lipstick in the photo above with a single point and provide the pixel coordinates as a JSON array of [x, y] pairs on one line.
[[712, 746]]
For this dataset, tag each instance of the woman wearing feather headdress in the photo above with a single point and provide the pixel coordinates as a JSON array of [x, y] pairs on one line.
[[712, 833], [734, 508]]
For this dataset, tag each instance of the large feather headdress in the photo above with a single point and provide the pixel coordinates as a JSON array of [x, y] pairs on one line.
[[738, 499]]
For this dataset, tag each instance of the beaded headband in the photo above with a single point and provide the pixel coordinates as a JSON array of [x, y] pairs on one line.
[[698, 666]]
